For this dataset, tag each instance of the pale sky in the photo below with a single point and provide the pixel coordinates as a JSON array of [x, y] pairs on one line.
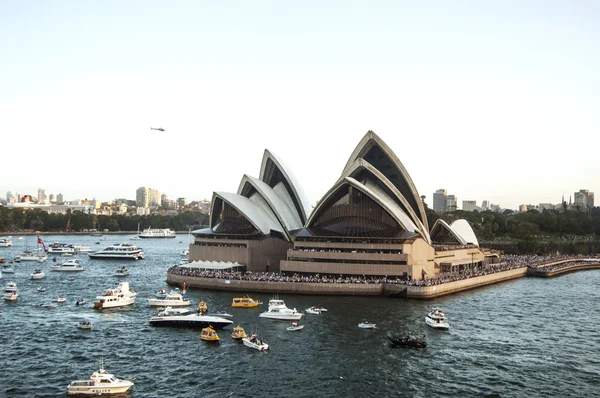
[[493, 101]]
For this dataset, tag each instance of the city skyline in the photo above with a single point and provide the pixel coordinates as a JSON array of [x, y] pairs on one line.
[[491, 101]]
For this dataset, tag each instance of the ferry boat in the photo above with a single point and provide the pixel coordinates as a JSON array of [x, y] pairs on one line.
[[37, 274], [173, 299], [6, 242], [157, 233], [278, 310], [255, 342], [61, 248], [238, 333], [68, 266], [244, 302], [115, 297], [185, 318], [437, 319], [209, 334], [101, 382], [119, 251]]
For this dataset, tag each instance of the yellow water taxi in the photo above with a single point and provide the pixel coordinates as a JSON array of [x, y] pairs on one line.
[[209, 334], [244, 302], [202, 307], [238, 333]]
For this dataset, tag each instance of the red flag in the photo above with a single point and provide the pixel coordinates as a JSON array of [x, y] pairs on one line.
[[41, 242]]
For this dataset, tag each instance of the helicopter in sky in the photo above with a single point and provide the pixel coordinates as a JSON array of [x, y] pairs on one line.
[[159, 129]]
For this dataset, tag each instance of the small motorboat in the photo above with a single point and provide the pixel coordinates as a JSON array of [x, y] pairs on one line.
[[255, 342], [48, 305], [365, 324], [409, 341], [7, 269], [80, 301], [83, 324], [61, 299], [161, 293], [437, 319], [101, 382], [41, 289], [122, 271], [313, 310], [238, 333], [209, 334], [295, 326], [38, 274]]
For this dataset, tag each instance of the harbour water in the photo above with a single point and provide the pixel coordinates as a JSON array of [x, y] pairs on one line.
[[528, 337]]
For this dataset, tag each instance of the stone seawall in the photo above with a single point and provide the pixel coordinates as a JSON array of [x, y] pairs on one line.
[[429, 292], [325, 289], [548, 274]]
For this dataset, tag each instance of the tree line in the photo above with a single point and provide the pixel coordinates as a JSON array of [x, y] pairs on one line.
[[19, 220]]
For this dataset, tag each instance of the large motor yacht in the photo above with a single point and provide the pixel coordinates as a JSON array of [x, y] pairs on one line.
[[157, 233], [10, 291], [101, 382], [119, 296], [68, 266], [184, 317], [437, 319], [278, 310], [119, 251], [173, 299], [61, 248]]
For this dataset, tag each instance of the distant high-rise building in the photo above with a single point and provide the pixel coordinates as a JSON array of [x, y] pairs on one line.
[[60, 199], [584, 199], [546, 206], [41, 196], [51, 198], [523, 208], [9, 196], [181, 202], [439, 200], [163, 200], [147, 197], [485, 205], [469, 205], [451, 203]]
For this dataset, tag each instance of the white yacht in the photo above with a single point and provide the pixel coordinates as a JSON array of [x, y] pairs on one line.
[[68, 266], [10, 291], [37, 274], [6, 242], [278, 310], [61, 248], [119, 296], [121, 271], [255, 342], [437, 319], [101, 382], [313, 310], [7, 269], [184, 317], [119, 251], [365, 324], [31, 256], [173, 299], [157, 233], [82, 249]]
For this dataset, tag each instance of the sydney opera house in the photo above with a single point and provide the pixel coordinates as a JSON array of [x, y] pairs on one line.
[[371, 222]]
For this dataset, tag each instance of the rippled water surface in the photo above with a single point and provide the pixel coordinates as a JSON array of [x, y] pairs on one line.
[[529, 337]]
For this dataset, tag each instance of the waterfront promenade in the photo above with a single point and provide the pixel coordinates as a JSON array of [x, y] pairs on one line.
[[513, 267]]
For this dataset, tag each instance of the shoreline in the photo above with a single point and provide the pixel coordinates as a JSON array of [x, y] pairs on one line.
[[374, 289]]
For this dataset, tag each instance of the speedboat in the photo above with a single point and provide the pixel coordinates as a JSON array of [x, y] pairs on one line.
[[185, 318], [48, 305], [255, 342], [295, 326], [173, 299], [37, 274], [61, 299], [7, 269], [365, 324], [278, 310], [244, 302], [6, 242], [80, 301], [101, 382], [119, 251], [119, 296], [209, 334], [122, 271], [161, 293], [313, 310], [83, 324], [437, 319], [238, 333], [41, 289], [68, 266], [409, 341]]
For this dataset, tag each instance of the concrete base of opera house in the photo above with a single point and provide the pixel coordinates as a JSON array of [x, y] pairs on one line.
[[565, 270], [347, 289]]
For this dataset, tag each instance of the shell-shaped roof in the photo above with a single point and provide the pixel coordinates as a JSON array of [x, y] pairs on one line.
[[441, 226], [251, 187], [360, 166], [274, 173], [375, 151], [255, 214], [463, 228]]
